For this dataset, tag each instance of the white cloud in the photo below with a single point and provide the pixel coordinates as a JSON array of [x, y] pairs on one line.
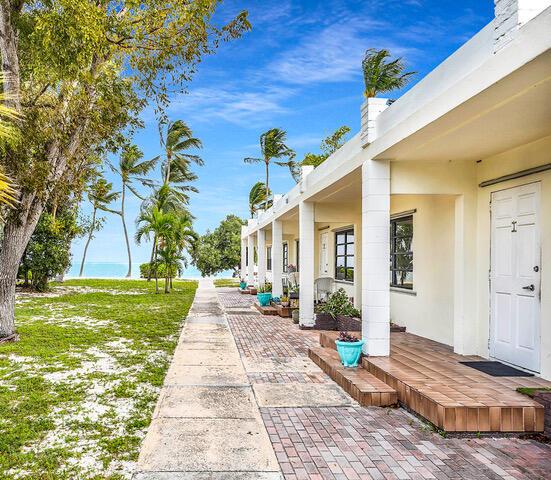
[[233, 104], [334, 53]]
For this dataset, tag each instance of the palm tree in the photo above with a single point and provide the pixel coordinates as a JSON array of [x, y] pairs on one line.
[[100, 195], [172, 195], [7, 190], [258, 196], [272, 145], [176, 140], [381, 74], [8, 133], [293, 166], [131, 170], [181, 238], [153, 222]]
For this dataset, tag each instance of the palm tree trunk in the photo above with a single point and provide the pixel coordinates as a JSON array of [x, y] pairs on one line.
[[88, 242], [156, 274], [267, 185], [151, 259], [168, 161], [129, 273], [166, 281]]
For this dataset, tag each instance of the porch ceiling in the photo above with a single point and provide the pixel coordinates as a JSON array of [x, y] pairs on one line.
[[511, 112], [346, 191]]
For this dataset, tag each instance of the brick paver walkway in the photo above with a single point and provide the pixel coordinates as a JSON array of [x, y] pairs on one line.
[[351, 442]]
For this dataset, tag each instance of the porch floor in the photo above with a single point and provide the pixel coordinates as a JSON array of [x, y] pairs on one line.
[[430, 381]]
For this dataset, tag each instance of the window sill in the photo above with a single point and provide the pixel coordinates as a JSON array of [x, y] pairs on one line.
[[346, 282], [405, 291]]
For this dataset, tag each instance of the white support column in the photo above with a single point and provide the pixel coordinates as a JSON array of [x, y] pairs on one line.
[[261, 254], [306, 270], [464, 301], [277, 258], [243, 258], [250, 267], [375, 254]]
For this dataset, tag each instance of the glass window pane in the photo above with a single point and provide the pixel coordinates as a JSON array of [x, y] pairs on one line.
[[402, 244], [350, 237], [350, 274], [339, 273], [340, 262], [350, 249], [341, 249], [350, 260], [340, 238], [404, 227], [403, 279], [403, 262]]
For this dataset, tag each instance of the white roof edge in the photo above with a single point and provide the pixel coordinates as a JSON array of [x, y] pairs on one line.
[[531, 41]]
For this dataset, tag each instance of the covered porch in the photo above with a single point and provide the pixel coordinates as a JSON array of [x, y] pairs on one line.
[[430, 380]]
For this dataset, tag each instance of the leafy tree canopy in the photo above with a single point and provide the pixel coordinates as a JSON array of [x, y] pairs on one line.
[[48, 252], [329, 145], [219, 250]]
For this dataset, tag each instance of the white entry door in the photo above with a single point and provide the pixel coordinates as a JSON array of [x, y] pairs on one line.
[[324, 254], [515, 276]]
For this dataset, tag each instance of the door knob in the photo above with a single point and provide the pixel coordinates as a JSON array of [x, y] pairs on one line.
[[529, 287]]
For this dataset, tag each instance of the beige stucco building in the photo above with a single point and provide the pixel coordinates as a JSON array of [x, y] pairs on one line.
[[452, 183]]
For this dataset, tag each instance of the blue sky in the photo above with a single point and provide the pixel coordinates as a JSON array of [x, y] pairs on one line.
[[299, 69]]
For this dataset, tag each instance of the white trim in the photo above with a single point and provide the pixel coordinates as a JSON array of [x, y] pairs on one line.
[[405, 291], [407, 213]]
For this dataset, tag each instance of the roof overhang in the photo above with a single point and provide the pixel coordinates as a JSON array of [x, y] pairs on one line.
[[504, 103]]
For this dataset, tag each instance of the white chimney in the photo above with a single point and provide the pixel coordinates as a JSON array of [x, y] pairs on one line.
[[510, 15], [370, 110]]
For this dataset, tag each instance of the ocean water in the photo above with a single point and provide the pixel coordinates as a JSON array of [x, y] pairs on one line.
[[118, 270]]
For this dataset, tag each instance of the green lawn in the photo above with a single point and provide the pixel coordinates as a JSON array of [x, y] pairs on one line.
[[226, 282], [78, 390]]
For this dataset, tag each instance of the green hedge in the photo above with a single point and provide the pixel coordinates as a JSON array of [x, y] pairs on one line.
[[161, 271]]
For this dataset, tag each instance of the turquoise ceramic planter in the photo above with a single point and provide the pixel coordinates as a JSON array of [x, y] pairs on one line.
[[243, 285], [264, 298], [349, 352]]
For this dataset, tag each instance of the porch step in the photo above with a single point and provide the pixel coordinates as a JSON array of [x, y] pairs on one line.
[[327, 339], [265, 310], [362, 386], [459, 405]]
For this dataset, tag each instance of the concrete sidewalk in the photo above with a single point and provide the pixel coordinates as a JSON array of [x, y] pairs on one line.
[[207, 424]]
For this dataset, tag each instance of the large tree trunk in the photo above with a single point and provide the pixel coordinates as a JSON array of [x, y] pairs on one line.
[[8, 50], [129, 273], [88, 242], [17, 233]]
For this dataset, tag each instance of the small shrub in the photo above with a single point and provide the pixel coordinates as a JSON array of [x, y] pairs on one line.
[[339, 304]]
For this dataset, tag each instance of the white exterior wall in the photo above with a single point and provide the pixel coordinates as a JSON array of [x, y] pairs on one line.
[[428, 309]]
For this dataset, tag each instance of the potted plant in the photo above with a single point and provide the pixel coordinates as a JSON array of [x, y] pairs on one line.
[[343, 312], [296, 316], [293, 291], [284, 300], [324, 320], [242, 284], [349, 348], [264, 294]]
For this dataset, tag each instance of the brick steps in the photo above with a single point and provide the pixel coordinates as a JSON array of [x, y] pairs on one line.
[[362, 386], [429, 380], [266, 310]]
